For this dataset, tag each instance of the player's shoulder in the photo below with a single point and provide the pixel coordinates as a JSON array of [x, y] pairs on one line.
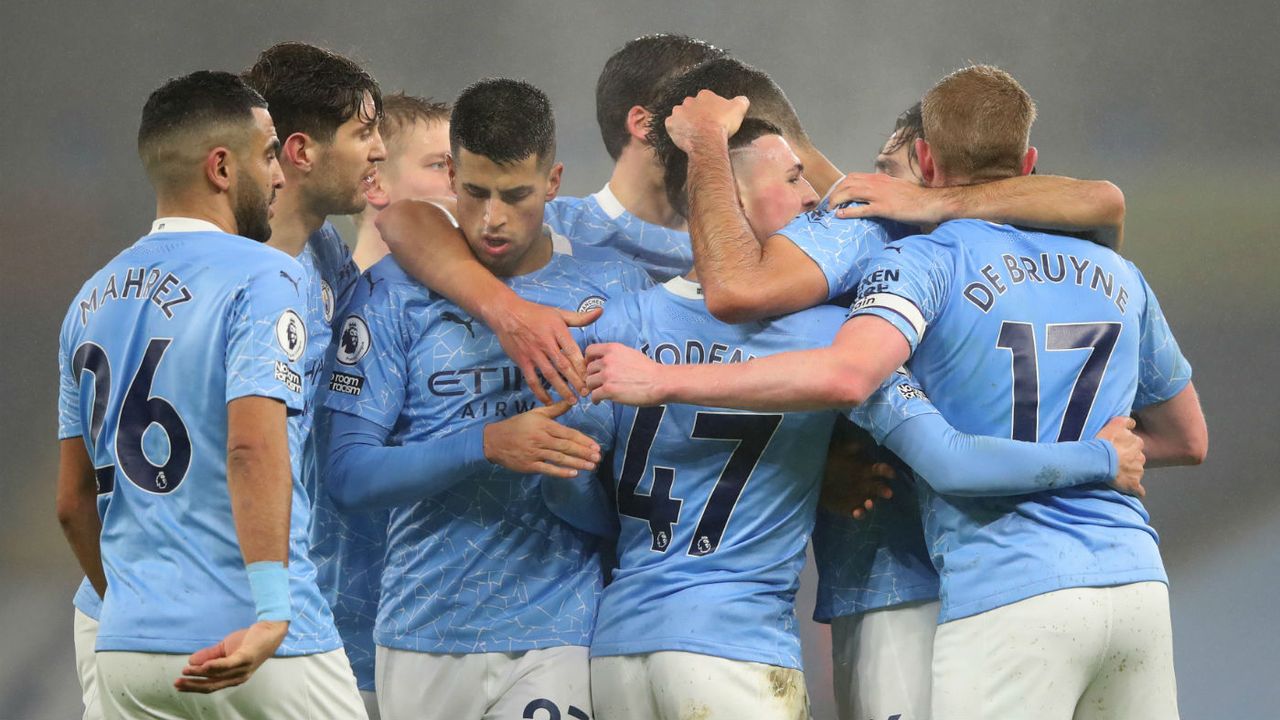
[[610, 277], [823, 220], [384, 282], [328, 247], [822, 321]]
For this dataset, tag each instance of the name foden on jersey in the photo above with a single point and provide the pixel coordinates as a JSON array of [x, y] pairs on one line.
[[166, 292]]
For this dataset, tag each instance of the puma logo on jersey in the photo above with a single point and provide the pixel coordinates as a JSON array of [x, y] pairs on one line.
[[455, 318], [289, 277]]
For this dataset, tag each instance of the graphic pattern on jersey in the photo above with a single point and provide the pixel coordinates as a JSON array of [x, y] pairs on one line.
[[599, 228]]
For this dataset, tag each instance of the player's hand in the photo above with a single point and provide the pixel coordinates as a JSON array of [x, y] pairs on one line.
[[1119, 432], [537, 339], [853, 481], [232, 661], [708, 113], [622, 374], [533, 442], [887, 197]]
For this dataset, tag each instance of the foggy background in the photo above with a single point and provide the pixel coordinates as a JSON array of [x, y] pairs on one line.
[[1175, 101]]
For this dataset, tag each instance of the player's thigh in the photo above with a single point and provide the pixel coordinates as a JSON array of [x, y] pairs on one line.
[[85, 633], [1029, 659], [547, 684], [620, 688], [1136, 678], [140, 685], [702, 686], [425, 686], [882, 662]]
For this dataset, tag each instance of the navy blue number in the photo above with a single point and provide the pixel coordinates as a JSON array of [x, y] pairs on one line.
[[553, 712], [140, 411], [1019, 339], [1100, 339], [657, 508], [752, 433], [91, 358], [661, 511]]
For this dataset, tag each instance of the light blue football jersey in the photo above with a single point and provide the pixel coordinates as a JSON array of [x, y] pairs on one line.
[[484, 566], [716, 506], [152, 349], [599, 228], [346, 547], [1035, 337], [840, 247]]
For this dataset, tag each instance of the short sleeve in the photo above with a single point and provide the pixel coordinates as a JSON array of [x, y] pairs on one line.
[[369, 378], [69, 417], [267, 336], [906, 283], [899, 399], [840, 247], [1163, 371]]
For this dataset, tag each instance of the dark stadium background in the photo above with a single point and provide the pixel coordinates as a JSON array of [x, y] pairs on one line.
[[1175, 101]]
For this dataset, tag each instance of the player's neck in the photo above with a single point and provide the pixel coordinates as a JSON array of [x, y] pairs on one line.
[[370, 247], [293, 223], [637, 183], [218, 213]]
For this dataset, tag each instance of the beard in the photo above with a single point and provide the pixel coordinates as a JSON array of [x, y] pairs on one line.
[[250, 210], [334, 193]]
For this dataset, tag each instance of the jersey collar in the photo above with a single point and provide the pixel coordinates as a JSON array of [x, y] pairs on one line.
[[182, 225], [609, 202], [680, 287]]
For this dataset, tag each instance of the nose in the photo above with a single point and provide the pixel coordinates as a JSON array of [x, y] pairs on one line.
[[378, 152], [277, 174], [494, 214], [810, 197]]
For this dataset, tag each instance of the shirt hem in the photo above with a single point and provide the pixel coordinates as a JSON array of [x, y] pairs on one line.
[[958, 611], [728, 652]]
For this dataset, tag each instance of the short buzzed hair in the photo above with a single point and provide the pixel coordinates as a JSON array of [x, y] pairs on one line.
[[187, 116], [312, 90], [635, 75], [504, 120], [978, 123], [401, 111]]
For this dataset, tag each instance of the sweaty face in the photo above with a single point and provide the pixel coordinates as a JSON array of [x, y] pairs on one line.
[[345, 165], [898, 161], [500, 210], [258, 176], [771, 184], [419, 168]]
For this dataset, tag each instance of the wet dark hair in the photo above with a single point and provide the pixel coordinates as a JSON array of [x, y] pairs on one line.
[[636, 74], [197, 104], [908, 128], [504, 120], [675, 164], [312, 90]]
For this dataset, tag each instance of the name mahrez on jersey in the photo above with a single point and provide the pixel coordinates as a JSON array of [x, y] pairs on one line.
[[167, 292], [1056, 268]]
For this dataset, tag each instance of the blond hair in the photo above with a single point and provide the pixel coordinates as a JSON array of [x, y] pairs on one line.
[[977, 121]]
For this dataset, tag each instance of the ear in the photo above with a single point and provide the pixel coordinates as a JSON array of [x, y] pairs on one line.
[[377, 194], [1029, 160], [299, 152], [553, 181], [219, 168], [638, 124], [927, 169]]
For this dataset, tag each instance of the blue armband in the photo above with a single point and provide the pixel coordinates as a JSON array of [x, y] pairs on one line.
[[269, 584]]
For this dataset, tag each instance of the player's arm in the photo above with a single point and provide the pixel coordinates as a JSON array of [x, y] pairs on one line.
[[260, 486], [865, 351], [1094, 207], [1174, 431], [742, 279], [531, 442], [77, 508], [427, 244], [956, 463]]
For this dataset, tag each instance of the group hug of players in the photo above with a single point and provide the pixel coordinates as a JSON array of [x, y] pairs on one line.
[[291, 483]]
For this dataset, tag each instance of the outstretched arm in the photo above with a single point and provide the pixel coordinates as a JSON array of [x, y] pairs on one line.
[[429, 246], [1094, 207], [865, 351], [742, 279]]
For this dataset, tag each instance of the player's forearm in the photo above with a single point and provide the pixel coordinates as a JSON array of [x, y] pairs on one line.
[[405, 473], [1174, 432], [956, 463], [259, 478], [426, 244], [77, 509], [793, 381], [1049, 202], [726, 254]]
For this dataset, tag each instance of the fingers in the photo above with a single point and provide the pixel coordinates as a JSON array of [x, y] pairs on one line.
[[580, 319], [543, 468], [204, 655], [551, 375], [204, 687], [554, 410], [531, 379], [854, 211], [569, 360]]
